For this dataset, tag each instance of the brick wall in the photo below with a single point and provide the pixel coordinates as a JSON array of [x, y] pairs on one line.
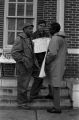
[[72, 66], [40, 5], [46, 10], [50, 10], [72, 32], [1, 22], [72, 23]]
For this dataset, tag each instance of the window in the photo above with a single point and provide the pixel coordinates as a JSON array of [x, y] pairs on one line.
[[17, 12]]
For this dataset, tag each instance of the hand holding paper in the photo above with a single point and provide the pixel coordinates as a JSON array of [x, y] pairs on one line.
[[41, 45]]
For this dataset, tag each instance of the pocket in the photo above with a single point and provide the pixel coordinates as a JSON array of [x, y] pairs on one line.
[[28, 64], [20, 68]]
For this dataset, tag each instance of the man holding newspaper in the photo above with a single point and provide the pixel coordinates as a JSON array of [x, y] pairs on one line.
[[40, 39]]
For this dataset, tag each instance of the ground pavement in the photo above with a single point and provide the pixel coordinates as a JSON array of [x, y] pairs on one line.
[[20, 114]]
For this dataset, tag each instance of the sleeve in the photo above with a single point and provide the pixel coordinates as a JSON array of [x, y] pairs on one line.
[[17, 50], [52, 50]]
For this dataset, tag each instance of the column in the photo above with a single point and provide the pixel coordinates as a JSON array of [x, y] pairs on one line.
[[60, 13]]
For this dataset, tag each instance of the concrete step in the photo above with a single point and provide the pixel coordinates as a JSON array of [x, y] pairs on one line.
[[8, 94], [36, 104], [12, 91], [10, 100]]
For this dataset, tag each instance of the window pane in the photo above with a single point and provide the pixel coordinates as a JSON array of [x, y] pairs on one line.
[[11, 37], [11, 24], [20, 0], [11, 10], [20, 9], [12, 0], [29, 9], [20, 23], [29, 20], [29, 0]]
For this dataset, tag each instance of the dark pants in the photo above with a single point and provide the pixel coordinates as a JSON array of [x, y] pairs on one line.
[[37, 81], [56, 97], [36, 87], [23, 79]]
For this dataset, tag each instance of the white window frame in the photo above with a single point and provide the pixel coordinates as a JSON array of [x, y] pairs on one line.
[[60, 13], [60, 19], [7, 47]]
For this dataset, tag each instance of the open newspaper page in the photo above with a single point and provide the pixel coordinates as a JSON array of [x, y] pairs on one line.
[[41, 45]]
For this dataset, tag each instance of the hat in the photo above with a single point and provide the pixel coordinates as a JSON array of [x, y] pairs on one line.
[[27, 25]]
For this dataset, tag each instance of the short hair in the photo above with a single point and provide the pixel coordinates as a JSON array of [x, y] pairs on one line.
[[54, 28], [41, 21]]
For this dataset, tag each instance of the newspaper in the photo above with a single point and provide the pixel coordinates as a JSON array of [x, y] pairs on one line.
[[40, 44]]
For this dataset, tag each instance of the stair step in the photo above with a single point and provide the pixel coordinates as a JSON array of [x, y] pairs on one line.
[[37, 102], [8, 95], [13, 91]]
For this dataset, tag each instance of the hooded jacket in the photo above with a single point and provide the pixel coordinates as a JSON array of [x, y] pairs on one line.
[[22, 50]]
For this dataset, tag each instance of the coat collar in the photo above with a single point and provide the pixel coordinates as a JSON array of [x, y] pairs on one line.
[[24, 36]]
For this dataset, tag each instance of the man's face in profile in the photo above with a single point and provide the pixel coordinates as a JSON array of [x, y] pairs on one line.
[[28, 30]]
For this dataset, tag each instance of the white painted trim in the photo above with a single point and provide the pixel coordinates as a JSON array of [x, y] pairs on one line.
[[70, 50], [1, 50], [73, 51], [35, 14], [5, 45], [5, 25], [60, 13]]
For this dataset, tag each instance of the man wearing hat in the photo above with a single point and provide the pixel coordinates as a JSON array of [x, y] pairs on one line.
[[23, 54]]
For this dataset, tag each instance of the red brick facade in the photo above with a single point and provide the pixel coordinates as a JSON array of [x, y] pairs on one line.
[[72, 23], [50, 10], [72, 32], [1, 22], [46, 9]]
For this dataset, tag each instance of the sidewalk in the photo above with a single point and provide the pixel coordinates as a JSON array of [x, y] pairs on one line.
[[38, 115], [37, 109]]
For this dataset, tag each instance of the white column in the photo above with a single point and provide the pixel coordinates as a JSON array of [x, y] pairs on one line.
[[60, 13], [35, 14]]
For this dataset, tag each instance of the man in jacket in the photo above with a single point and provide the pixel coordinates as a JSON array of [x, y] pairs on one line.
[[23, 54], [55, 63], [37, 84]]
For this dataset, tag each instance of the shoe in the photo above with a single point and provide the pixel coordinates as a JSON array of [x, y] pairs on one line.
[[23, 105], [31, 98], [22, 101], [37, 97], [48, 97], [54, 110]]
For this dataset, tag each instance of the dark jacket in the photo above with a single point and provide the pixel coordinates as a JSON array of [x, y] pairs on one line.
[[22, 51]]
